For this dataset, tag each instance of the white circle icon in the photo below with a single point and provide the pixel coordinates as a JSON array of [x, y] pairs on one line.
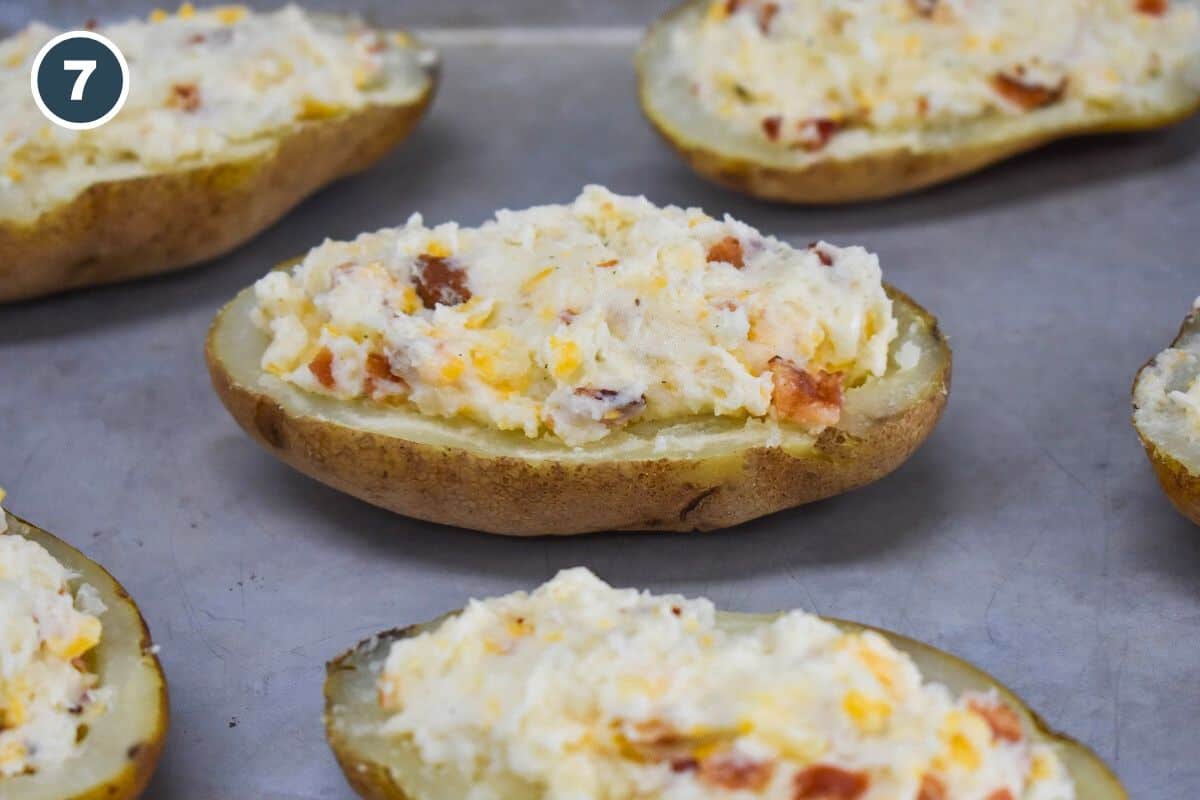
[[71, 60]]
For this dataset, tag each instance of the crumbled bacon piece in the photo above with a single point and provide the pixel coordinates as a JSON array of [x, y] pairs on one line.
[[379, 371], [1015, 89], [922, 106], [735, 772], [816, 133], [621, 410], [766, 15], [824, 782], [932, 788], [924, 8], [684, 765], [1004, 722], [197, 38], [322, 367], [612, 262], [728, 251], [1155, 8], [812, 401], [822, 253], [771, 126], [1001, 794], [733, 6], [185, 96], [438, 280]]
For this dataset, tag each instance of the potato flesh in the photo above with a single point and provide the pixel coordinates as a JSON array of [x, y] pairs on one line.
[[122, 745]]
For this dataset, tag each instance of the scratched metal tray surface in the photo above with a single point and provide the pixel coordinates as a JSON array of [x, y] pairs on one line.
[[1028, 535]]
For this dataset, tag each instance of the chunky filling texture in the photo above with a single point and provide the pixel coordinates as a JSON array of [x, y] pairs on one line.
[[811, 75], [48, 693], [581, 319], [1189, 400], [204, 84], [580, 690]]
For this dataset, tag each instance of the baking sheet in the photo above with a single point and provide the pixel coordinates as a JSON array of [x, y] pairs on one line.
[[1027, 536]]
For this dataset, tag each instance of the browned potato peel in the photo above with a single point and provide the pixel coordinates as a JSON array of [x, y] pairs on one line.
[[379, 767], [119, 230], [1174, 455], [121, 750], [715, 473], [762, 172]]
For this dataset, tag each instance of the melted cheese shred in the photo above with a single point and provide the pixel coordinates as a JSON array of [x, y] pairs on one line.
[[575, 320], [206, 86], [579, 691], [822, 75], [48, 694]]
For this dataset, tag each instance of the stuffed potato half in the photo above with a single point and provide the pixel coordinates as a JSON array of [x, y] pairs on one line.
[[889, 133], [713, 474], [383, 764], [217, 157], [118, 754], [1166, 415]]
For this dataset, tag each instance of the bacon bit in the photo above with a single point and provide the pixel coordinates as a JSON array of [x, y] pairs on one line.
[[676, 610], [91, 25], [185, 96], [923, 106], [823, 782], [816, 133], [733, 6], [379, 368], [439, 281], [322, 367], [932, 788], [771, 126], [1028, 96], [197, 38], [822, 254], [728, 251], [733, 772], [684, 765], [923, 8], [1155, 8], [1001, 794], [766, 15], [619, 413], [1003, 721], [804, 399], [612, 262]]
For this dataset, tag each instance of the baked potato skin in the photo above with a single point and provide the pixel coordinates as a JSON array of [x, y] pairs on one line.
[[143, 757], [375, 781], [126, 229], [514, 497], [1181, 485], [870, 177]]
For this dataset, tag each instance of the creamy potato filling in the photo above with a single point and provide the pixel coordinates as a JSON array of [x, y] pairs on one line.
[[1189, 400], [205, 84], [581, 319], [812, 74], [48, 693], [580, 690]]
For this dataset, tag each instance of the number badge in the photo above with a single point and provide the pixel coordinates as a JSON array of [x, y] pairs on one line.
[[80, 80]]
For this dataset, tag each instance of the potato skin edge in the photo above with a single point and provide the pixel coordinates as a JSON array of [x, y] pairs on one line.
[[133, 780], [874, 176], [1181, 485], [126, 229], [515, 497]]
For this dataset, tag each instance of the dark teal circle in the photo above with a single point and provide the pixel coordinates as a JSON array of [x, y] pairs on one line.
[[55, 82]]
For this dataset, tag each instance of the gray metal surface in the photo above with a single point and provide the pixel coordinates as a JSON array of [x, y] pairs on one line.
[[1028, 535]]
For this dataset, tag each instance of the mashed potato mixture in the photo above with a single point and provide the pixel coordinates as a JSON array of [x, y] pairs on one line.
[[48, 693], [205, 86], [581, 319], [811, 75], [584, 692]]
